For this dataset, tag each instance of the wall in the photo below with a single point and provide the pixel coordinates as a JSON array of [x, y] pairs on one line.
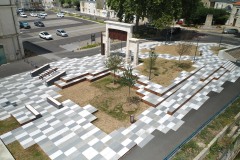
[[9, 31], [235, 15], [89, 7], [222, 5]]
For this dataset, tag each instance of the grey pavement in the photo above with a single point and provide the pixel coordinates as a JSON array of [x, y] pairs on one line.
[[22, 66], [162, 144], [5, 154]]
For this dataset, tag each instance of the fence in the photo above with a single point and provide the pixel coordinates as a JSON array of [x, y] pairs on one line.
[[174, 151]]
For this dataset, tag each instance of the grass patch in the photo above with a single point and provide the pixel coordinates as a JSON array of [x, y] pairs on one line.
[[90, 46], [8, 124], [172, 50], [166, 70], [32, 153], [188, 151], [115, 100], [216, 49], [209, 132], [111, 100]]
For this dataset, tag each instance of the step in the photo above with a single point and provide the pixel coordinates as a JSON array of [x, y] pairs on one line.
[[54, 78], [39, 70]]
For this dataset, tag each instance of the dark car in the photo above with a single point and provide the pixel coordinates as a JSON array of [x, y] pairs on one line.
[[39, 24], [24, 25], [230, 31]]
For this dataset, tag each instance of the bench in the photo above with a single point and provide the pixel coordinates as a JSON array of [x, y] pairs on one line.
[[39, 70], [54, 102], [33, 111], [56, 77]]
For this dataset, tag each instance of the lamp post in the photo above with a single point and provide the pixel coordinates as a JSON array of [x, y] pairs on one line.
[[221, 38]]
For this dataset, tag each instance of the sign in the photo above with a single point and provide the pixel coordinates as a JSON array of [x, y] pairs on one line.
[[92, 37], [117, 34]]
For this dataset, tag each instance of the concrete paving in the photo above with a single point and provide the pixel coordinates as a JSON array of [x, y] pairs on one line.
[[5, 154], [68, 133]]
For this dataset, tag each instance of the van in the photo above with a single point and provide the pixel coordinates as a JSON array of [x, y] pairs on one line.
[[24, 25]]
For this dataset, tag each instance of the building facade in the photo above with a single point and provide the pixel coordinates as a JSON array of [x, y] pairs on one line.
[[11, 48], [27, 4], [234, 19], [219, 4], [96, 7]]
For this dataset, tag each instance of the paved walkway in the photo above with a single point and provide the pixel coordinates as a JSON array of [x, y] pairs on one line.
[[68, 133]]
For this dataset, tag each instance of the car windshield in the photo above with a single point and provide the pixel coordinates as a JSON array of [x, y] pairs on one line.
[[46, 33], [62, 31]]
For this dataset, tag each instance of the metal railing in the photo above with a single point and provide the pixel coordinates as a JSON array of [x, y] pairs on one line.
[[174, 151]]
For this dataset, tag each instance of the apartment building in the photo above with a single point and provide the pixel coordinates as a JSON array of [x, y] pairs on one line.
[[96, 7], [11, 48], [234, 19], [27, 4]]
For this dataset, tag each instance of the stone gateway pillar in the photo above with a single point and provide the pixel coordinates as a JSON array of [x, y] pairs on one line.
[[120, 31]]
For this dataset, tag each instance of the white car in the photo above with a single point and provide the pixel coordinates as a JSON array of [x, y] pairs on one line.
[[40, 16], [45, 35], [60, 15], [33, 14], [61, 32], [23, 15], [44, 14]]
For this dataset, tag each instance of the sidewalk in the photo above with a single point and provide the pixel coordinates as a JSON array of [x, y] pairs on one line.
[[162, 144]]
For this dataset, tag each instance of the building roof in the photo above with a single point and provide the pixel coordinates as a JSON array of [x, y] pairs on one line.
[[236, 4], [224, 1]]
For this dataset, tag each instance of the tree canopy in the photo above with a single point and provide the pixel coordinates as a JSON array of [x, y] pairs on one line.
[[152, 9], [161, 13]]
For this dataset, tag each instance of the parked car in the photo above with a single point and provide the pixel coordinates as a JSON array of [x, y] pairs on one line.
[[24, 25], [39, 24], [45, 35], [19, 10], [60, 15], [33, 14], [230, 31], [61, 32], [22, 14], [41, 16], [43, 13]]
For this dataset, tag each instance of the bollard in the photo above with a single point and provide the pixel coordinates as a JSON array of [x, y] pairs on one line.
[[131, 118]]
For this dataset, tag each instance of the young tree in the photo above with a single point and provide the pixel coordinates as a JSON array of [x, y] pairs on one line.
[[183, 49], [128, 79], [113, 62], [151, 62]]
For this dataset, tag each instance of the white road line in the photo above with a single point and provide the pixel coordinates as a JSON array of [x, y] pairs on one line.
[[83, 30]]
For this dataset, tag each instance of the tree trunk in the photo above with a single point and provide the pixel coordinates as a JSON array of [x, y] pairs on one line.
[[114, 77], [179, 59], [129, 91], [137, 23]]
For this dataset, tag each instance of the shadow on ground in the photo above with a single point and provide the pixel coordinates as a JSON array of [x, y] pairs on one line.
[[35, 49]]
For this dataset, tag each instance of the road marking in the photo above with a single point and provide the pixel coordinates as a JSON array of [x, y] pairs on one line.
[[83, 29]]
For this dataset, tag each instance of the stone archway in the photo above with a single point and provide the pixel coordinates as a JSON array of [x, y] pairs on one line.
[[118, 30]]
